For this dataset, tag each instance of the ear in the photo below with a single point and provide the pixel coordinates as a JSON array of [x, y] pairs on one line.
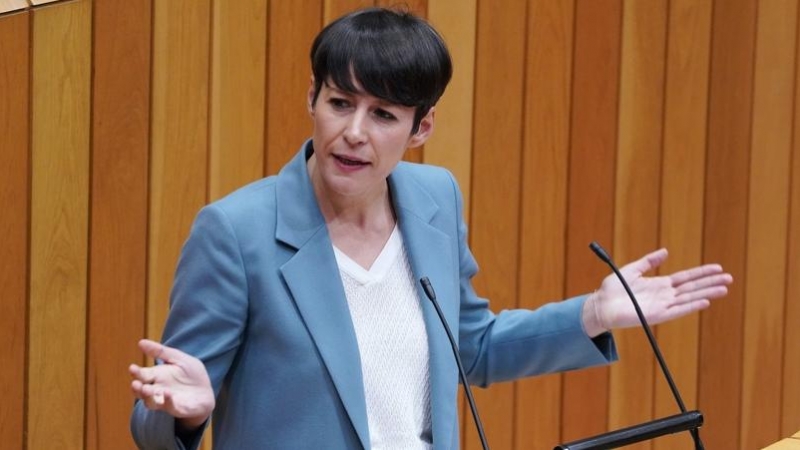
[[310, 99], [425, 129]]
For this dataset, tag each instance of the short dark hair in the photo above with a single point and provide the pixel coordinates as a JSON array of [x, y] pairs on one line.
[[394, 55]]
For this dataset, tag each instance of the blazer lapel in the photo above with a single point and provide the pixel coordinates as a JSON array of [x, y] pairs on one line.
[[323, 306], [312, 276], [430, 255]]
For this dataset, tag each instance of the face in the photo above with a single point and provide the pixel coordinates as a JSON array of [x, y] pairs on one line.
[[358, 140]]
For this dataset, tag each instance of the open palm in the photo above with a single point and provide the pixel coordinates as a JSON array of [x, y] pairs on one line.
[[661, 298], [179, 386]]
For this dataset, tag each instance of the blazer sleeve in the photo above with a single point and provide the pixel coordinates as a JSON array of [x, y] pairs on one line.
[[519, 343], [208, 314]]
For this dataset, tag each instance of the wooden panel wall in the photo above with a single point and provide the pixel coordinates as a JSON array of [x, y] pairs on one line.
[[15, 227], [637, 124], [682, 184], [60, 122], [119, 211]]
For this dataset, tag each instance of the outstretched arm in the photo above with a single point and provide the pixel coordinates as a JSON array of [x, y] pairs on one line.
[[662, 298]]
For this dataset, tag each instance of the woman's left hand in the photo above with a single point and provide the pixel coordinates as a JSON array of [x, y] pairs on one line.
[[661, 298]]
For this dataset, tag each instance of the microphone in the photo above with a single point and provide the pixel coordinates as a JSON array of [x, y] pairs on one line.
[[428, 288], [690, 420]]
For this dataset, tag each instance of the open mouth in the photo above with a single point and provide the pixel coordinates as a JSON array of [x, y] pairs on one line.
[[350, 162]]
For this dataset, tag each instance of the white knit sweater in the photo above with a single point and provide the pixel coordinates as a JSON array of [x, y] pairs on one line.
[[393, 345]]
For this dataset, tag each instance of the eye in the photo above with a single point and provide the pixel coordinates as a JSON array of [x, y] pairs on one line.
[[385, 115], [338, 103]]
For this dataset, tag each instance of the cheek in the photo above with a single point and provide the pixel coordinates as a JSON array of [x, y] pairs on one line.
[[323, 128]]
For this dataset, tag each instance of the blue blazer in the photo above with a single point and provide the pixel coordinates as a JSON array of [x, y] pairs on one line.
[[258, 298]]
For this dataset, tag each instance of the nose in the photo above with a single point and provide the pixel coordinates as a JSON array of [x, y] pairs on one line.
[[354, 129]]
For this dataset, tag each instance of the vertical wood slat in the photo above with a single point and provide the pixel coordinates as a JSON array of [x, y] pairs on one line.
[[682, 184], [291, 30], [548, 99], [333, 9], [59, 225], [496, 186], [790, 414], [728, 178], [416, 7], [730, 95], [767, 222], [120, 148], [237, 95], [591, 190], [636, 204], [451, 143], [179, 145], [14, 231]]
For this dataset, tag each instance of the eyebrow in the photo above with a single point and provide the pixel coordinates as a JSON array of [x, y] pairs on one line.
[[380, 101]]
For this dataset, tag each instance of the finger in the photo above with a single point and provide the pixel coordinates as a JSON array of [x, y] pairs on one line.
[[136, 388], [154, 395], [681, 310], [687, 275], [144, 374], [704, 283], [648, 262], [158, 397], [707, 294], [157, 350]]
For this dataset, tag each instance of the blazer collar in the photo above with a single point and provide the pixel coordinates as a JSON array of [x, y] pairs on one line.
[[323, 304]]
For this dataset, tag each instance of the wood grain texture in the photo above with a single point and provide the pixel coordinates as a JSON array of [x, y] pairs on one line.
[[637, 192], [537, 84], [790, 414], [237, 95], [590, 212], [14, 226], [118, 258], [767, 221], [416, 7], [291, 30], [59, 225], [682, 185], [495, 197], [549, 54], [333, 9], [725, 225], [451, 143], [179, 144]]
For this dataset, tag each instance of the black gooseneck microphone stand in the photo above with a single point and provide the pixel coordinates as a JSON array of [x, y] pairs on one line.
[[428, 288], [687, 420]]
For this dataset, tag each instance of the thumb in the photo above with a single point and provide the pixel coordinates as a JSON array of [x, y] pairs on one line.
[[157, 350], [647, 262]]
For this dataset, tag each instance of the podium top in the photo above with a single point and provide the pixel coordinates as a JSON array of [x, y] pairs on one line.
[[790, 443]]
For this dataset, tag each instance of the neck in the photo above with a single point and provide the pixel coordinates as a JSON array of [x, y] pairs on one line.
[[371, 211]]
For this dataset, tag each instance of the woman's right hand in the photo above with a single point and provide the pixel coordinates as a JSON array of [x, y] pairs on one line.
[[180, 386]]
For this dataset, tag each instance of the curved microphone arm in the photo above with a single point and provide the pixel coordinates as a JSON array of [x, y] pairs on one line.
[[690, 420], [428, 288]]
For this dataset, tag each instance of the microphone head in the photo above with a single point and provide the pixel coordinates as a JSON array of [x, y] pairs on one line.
[[600, 252], [428, 288]]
